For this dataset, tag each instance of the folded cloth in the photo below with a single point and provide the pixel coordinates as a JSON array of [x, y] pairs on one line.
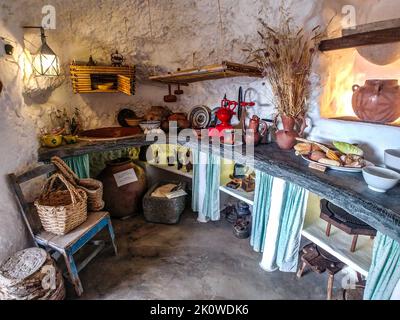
[[162, 191]]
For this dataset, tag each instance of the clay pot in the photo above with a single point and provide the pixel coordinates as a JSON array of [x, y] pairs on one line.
[[253, 134], [377, 101], [292, 128], [125, 199]]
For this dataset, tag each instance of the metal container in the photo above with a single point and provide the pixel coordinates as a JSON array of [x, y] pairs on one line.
[[163, 210]]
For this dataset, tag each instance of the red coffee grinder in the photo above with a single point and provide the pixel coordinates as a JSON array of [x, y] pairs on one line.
[[225, 114]]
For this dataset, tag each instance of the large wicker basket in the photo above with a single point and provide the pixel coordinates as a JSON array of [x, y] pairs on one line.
[[61, 210], [92, 187], [31, 274]]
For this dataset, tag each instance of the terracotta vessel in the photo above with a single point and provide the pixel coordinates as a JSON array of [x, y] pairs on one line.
[[292, 128], [253, 134], [377, 101], [125, 199]]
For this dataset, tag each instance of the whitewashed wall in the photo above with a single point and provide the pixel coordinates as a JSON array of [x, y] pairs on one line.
[[178, 29]]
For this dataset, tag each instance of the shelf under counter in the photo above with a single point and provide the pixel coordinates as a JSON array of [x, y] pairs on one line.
[[346, 190], [242, 195]]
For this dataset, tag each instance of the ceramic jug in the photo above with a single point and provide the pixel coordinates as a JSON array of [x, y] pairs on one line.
[[253, 134]]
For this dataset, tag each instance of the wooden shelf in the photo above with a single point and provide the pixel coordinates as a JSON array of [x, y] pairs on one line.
[[210, 72], [240, 194], [172, 170], [369, 34], [86, 78], [338, 243]]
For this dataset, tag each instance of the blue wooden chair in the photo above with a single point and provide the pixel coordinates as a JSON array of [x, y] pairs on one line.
[[70, 243]]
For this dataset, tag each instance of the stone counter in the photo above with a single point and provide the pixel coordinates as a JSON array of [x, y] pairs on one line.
[[85, 147], [346, 190]]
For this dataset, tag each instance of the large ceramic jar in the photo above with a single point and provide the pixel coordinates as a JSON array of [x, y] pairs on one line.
[[292, 128], [377, 101], [124, 185]]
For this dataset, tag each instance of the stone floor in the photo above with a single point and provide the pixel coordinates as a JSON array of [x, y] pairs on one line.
[[188, 261]]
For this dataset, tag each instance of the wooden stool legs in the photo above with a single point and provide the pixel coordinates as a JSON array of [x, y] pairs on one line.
[[354, 243], [330, 287], [328, 230], [301, 270]]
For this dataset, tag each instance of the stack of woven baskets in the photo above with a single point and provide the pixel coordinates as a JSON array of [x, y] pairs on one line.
[[31, 274], [92, 187], [66, 199]]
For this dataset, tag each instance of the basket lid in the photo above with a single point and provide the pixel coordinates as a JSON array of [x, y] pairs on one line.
[[23, 264]]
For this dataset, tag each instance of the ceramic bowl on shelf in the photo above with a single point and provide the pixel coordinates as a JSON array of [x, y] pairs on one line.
[[392, 159], [380, 179], [149, 125], [105, 86], [133, 122], [52, 140]]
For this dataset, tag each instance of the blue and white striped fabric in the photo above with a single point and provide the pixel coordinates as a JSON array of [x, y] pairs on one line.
[[278, 217], [205, 186], [262, 204], [384, 273]]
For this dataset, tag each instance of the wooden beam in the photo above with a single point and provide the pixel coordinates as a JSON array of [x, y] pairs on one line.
[[362, 39]]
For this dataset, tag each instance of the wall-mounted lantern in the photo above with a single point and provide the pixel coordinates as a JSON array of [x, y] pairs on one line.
[[45, 62]]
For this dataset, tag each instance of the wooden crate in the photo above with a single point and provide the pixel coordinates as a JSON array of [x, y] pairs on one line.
[[85, 78]]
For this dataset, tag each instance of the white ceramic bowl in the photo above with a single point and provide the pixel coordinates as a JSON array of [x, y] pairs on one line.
[[392, 159], [380, 179], [149, 125]]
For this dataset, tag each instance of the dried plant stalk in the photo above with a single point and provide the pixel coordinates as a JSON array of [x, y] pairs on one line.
[[285, 56]]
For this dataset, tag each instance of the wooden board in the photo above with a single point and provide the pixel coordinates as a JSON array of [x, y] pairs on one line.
[[109, 134], [225, 69], [69, 239], [363, 35], [374, 26]]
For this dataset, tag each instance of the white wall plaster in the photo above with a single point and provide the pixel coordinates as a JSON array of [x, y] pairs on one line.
[[178, 29]]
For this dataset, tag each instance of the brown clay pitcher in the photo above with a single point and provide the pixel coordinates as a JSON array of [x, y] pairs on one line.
[[377, 101], [292, 128], [253, 133]]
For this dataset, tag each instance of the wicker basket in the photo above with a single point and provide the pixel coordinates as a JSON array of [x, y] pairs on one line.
[[60, 211], [31, 274], [92, 187]]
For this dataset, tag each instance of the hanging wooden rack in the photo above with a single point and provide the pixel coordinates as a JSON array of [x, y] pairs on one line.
[[226, 69], [85, 79], [363, 35]]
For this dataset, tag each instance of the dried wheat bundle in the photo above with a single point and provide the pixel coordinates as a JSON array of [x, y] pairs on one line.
[[285, 56]]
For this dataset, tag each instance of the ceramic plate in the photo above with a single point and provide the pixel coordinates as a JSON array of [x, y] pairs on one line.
[[200, 117], [343, 169]]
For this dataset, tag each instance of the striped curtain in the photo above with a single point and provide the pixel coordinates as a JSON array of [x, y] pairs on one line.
[[80, 165], [284, 224], [384, 273], [262, 204], [205, 186]]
